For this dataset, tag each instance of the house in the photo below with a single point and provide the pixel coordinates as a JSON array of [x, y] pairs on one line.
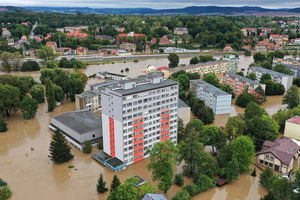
[[52, 45], [105, 37], [247, 47], [153, 41], [164, 40], [279, 38], [292, 128], [49, 36], [297, 41], [260, 48], [88, 100], [151, 196], [228, 48], [5, 33], [279, 155], [184, 112], [74, 28], [77, 34], [130, 47], [284, 79], [213, 97], [81, 50], [130, 37], [249, 31], [78, 127], [181, 31]]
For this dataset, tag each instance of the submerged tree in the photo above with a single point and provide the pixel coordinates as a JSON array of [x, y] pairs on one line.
[[101, 185]]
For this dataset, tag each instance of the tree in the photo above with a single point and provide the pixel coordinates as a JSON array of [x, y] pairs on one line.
[[87, 147], [235, 127], [292, 97], [296, 82], [259, 57], [10, 97], [283, 69], [173, 59], [262, 128], [247, 53], [265, 77], [232, 170], [2, 183], [273, 88], [58, 93], [194, 126], [124, 191], [115, 183], [282, 188], [204, 182], [194, 60], [29, 107], [3, 125], [37, 92], [59, 149], [178, 180], [51, 64], [206, 58], [253, 110], [101, 185], [212, 79], [50, 94], [227, 88], [183, 195], [206, 115], [46, 53], [162, 162], [251, 76], [5, 193], [245, 98], [253, 172], [5, 61], [126, 69], [30, 65], [214, 136]]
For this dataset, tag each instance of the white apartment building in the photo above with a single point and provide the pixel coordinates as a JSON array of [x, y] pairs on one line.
[[213, 97], [284, 79], [138, 113]]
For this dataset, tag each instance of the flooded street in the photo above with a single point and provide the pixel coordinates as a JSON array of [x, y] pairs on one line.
[[25, 165]]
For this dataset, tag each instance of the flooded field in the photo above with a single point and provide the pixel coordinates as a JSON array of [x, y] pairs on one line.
[[25, 165]]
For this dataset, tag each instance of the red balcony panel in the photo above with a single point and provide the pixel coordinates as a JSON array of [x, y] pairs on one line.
[[138, 142], [138, 130], [138, 159], [165, 132], [165, 138], [164, 127], [138, 118], [138, 124], [139, 136], [139, 153], [138, 148], [165, 115]]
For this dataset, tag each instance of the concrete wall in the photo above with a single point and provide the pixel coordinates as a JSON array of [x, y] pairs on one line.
[[184, 113], [292, 130]]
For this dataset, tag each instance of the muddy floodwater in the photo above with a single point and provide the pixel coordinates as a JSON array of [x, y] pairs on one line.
[[25, 165]]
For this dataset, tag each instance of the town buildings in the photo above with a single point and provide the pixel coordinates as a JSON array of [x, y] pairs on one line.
[[129, 47], [136, 114], [233, 62], [290, 63], [77, 34], [5, 33], [78, 127], [249, 31], [217, 67], [164, 40], [112, 76], [284, 79], [184, 112], [213, 97], [228, 49], [292, 128], [240, 83], [280, 39], [105, 37], [279, 155]]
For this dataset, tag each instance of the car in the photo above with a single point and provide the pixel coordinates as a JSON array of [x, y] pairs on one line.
[[285, 176], [297, 190]]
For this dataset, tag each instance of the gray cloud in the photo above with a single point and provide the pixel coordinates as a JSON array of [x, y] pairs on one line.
[[152, 3]]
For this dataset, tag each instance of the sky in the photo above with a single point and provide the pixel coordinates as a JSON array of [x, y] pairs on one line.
[[157, 4]]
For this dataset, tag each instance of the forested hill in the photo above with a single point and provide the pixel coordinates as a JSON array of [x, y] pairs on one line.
[[193, 10]]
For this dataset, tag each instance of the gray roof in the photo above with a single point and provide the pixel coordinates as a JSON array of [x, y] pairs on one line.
[[82, 122], [242, 78], [151, 196], [267, 71], [209, 88], [110, 73], [89, 94], [197, 65], [103, 84], [181, 104]]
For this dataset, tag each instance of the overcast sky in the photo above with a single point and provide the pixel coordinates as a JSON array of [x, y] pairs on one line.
[[161, 4]]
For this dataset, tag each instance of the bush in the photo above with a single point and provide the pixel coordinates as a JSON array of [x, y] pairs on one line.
[[273, 88], [193, 189], [5, 193], [296, 82], [183, 195], [87, 147], [3, 126], [204, 182], [243, 99], [267, 178], [37, 92], [136, 60], [30, 65], [178, 180]]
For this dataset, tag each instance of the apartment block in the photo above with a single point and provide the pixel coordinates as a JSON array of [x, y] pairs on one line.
[[218, 100], [136, 114], [290, 63], [233, 62], [240, 83], [284, 79], [217, 67]]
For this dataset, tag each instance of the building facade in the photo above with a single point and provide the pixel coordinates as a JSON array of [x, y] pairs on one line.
[[215, 98], [184, 112], [284, 79], [290, 63], [233, 62], [112, 76], [217, 67], [138, 113], [292, 128], [240, 83]]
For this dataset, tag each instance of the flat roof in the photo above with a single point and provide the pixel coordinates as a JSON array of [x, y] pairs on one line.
[[82, 121], [209, 88], [182, 104], [294, 120], [232, 74], [267, 71], [197, 65]]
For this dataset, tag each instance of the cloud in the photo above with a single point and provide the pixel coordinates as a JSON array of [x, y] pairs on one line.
[[152, 3]]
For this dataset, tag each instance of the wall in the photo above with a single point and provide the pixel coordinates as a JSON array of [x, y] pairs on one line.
[[292, 130]]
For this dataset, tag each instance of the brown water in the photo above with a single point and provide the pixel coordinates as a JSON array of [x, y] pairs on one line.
[[25, 165]]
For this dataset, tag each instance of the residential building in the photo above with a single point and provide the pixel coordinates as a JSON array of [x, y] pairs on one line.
[[290, 63], [81, 50], [78, 127], [164, 40], [279, 38], [181, 31], [217, 67], [112, 76], [240, 83], [228, 48], [213, 97], [260, 48], [249, 31], [284, 79], [5, 33], [132, 37], [105, 37], [233, 61], [136, 114], [297, 41], [102, 84], [77, 34], [74, 28], [151, 196], [292, 128], [52, 45], [130, 47], [184, 112], [279, 155]]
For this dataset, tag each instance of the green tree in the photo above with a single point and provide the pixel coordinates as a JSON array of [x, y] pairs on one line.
[[2, 183], [258, 57], [194, 60], [50, 94], [101, 185], [245, 98], [214, 136], [206, 58], [262, 128], [205, 114], [58, 93], [59, 149], [29, 107], [37, 92], [282, 188], [183, 195], [232, 170], [253, 110], [204, 182], [124, 191], [173, 59], [5, 193], [283, 69], [178, 180], [162, 162], [46, 53], [3, 125], [265, 77], [296, 82], [87, 147], [212, 79], [115, 183], [251, 76], [292, 97], [30, 65], [267, 177], [194, 126], [10, 97], [235, 127]]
